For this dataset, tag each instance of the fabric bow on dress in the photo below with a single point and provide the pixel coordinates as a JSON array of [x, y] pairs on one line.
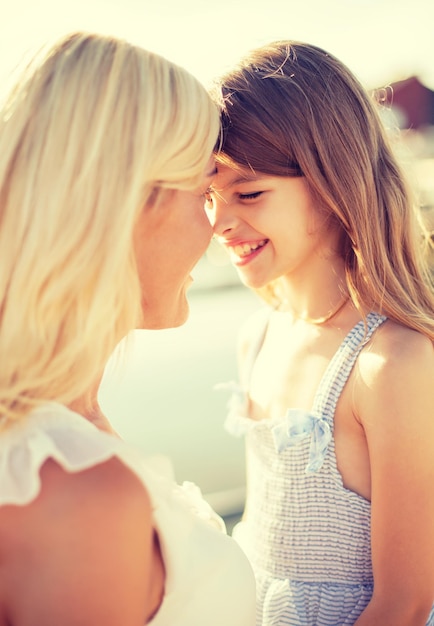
[[297, 425]]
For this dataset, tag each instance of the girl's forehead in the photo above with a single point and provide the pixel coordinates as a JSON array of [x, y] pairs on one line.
[[229, 176]]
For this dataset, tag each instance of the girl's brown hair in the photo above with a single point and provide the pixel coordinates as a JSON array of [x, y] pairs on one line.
[[293, 109]]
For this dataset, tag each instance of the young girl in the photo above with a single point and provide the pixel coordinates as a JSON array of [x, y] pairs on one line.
[[336, 392], [106, 150]]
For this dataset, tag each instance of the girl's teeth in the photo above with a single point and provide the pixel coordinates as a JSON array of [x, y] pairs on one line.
[[242, 250], [245, 248]]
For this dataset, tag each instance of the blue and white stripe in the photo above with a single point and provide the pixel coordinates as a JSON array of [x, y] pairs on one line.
[[306, 535]]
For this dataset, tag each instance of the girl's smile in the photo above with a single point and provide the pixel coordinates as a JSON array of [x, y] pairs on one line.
[[243, 253], [269, 225]]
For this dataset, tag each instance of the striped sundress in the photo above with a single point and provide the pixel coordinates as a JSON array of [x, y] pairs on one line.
[[306, 535]]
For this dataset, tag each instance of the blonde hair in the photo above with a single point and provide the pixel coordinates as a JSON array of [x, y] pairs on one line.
[[93, 128], [293, 109]]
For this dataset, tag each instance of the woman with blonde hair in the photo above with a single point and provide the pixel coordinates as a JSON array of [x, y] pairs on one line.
[[335, 396], [105, 154]]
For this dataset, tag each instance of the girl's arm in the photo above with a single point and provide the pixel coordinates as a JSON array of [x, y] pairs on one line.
[[394, 398]]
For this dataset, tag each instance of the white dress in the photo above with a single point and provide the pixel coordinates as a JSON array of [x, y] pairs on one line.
[[208, 578]]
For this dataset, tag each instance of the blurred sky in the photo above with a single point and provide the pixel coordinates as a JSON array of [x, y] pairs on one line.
[[380, 40]]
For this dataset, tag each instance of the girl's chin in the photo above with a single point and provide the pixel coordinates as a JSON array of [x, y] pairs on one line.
[[251, 282]]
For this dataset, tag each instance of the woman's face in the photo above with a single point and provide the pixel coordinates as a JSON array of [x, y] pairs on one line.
[[169, 239]]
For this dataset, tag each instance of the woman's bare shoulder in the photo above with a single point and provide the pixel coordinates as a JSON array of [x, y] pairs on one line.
[[85, 540]]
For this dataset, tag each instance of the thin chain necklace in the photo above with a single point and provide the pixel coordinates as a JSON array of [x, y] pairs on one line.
[[317, 321]]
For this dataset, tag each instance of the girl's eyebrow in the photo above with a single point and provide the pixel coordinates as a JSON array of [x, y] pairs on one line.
[[243, 179]]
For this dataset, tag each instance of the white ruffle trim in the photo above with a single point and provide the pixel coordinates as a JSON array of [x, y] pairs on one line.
[[55, 432]]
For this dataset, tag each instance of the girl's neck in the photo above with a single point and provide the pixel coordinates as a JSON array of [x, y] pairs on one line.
[[317, 298], [327, 317]]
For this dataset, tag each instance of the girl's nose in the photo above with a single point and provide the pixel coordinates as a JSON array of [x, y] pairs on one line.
[[221, 216]]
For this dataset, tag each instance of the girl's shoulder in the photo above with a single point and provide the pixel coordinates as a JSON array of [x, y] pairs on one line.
[[254, 327], [395, 348], [395, 375]]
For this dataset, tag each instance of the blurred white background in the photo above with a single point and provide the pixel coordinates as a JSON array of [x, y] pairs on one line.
[[381, 40]]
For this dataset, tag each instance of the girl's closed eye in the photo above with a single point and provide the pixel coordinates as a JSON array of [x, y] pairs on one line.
[[250, 196]]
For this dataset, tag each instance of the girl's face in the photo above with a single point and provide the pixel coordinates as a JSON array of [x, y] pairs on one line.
[[269, 225], [169, 239]]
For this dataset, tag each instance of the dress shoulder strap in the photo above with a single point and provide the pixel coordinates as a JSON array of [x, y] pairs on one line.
[[339, 368]]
